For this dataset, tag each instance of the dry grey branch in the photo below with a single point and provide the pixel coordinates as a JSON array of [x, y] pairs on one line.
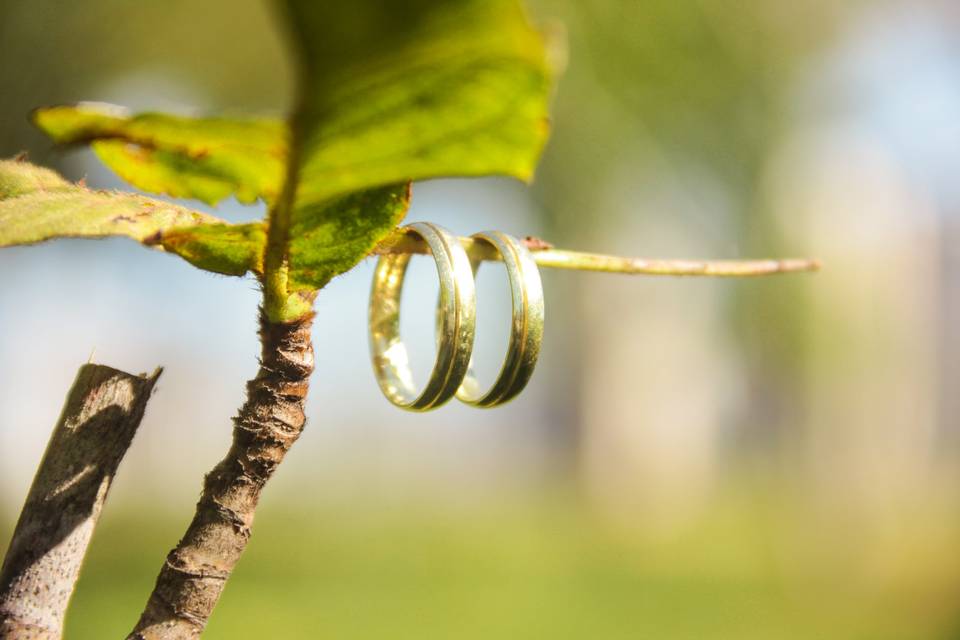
[[101, 415]]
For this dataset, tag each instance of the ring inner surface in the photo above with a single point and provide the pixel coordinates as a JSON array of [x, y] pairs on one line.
[[390, 356]]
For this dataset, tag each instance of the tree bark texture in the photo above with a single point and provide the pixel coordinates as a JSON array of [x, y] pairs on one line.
[[101, 415], [195, 572]]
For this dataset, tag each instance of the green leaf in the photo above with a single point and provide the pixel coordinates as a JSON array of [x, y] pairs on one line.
[[203, 158], [327, 240], [36, 205], [398, 90], [394, 91], [230, 249], [55, 208]]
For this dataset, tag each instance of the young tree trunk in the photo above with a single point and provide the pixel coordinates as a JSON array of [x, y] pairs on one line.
[[101, 415], [195, 572]]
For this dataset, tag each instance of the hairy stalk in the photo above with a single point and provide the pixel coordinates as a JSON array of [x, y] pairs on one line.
[[279, 303], [100, 417], [195, 572]]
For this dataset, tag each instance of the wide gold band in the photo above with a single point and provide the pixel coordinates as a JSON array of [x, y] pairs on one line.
[[526, 329], [456, 315]]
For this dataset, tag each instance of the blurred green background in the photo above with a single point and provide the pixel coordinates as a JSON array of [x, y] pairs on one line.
[[772, 458]]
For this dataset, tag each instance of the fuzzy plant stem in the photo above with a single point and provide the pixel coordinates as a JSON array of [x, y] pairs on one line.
[[100, 417], [195, 572]]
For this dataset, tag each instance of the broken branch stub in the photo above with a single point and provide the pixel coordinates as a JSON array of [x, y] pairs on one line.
[[101, 415]]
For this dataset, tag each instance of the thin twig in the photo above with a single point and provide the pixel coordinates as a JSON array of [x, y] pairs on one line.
[[101, 415], [546, 255]]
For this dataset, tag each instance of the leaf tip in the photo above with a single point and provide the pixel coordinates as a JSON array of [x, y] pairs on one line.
[[73, 123], [18, 177]]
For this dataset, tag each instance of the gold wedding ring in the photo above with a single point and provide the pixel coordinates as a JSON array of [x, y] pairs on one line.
[[526, 328], [456, 317]]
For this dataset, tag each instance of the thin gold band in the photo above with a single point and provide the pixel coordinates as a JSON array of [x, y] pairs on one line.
[[526, 328], [456, 317]]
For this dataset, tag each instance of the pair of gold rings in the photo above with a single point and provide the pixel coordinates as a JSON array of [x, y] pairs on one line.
[[452, 373]]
